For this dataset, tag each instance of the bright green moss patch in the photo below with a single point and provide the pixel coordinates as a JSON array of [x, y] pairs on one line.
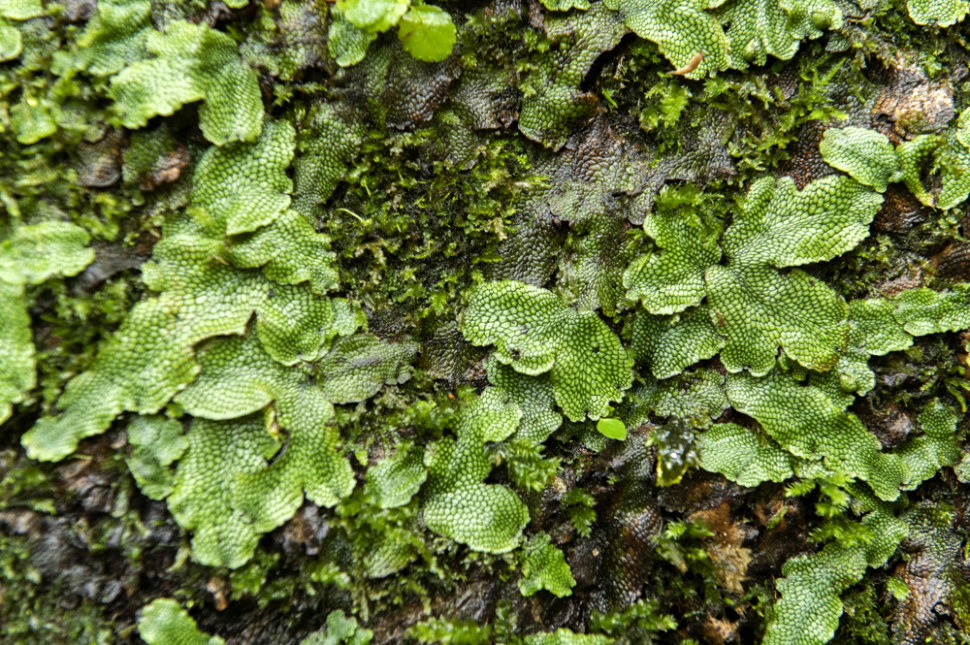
[[936, 448], [340, 629], [190, 63], [359, 366], [495, 323], [151, 358], [565, 636], [35, 253], [670, 345], [396, 479], [115, 37], [754, 309], [457, 504], [810, 605], [290, 252], [682, 29], [242, 187], [239, 378], [427, 32], [807, 424], [31, 255], [17, 353], [21, 9], [612, 429], [942, 13], [743, 456], [164, 621], [238, 188], [761, 28], [11, 42], [942, 158], [544, 567], [738, 33], [565, 5], [534, 332], [672, 280], [866, 155], [157, 443], [201, 498]]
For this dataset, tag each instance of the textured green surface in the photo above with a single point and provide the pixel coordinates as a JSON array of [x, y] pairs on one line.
[[151, 358], [164, 622], [736, 34], [239, 378], [535, 332], [936, 448], [785, 227], [339, 629], [809, 609], [866, 155], [374, 15], [556, 101], [396, 479], [156, 443], [242, 187], [565, 636], [348, 43], [761, 28], [671, 345], [743, 456], [327, 334], [115, 37], [808, 424], [923, 311], [565, 5], [30, 256], [937, 12], [16, 348], [324, 148], [673, 279], [201, 499], [359, 366], [21, 9], [290, 252], [758, 309], [35, 253], [681, 28], [191, 63], [534, 397], [912, 154], [138, 354], [879, 326], [544, 567], [11, 42], [753, 309], [698, 396], [457, 504], [427, 33], [946, 156]]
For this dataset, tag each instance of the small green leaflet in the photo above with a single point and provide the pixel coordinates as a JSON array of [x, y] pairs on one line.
[[427, 33], [612, 428]]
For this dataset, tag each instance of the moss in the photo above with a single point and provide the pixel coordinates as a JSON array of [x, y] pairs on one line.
[[551, 149]]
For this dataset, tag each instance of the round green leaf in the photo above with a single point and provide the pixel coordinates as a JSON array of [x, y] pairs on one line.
[[612, 428], [427, 33]]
